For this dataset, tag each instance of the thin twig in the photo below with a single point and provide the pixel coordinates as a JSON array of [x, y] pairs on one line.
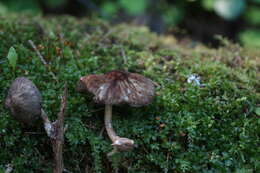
[[38, 53], [57, 144], [55, 130], [63, 103], [42, 59]]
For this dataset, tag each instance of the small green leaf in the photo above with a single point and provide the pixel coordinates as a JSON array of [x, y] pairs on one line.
[[12, 57], [257, 111]]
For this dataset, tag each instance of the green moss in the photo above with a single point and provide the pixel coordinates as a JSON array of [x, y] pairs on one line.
[[186, 129]]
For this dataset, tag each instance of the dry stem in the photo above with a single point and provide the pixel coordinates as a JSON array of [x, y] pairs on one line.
[[55, 130], [57, 144]]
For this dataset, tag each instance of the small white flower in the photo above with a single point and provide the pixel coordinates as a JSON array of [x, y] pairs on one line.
[[195, 79]]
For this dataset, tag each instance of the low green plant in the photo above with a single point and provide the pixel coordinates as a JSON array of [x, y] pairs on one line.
[[188, 128]]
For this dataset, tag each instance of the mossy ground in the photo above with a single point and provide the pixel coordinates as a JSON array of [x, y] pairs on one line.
[[187, 128]]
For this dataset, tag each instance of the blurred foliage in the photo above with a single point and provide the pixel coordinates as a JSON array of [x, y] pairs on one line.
[[133, 7], [187, 128], [250, 37], [3, 9], [253, 15], [21, 5], [230, 9], [55, 3], [207, 4], [172, 13]]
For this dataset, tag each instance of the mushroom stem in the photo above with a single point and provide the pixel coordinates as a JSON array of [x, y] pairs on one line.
[[108, 123], [118, 143]]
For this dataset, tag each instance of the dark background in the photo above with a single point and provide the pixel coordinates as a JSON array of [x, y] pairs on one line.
[[196, 20]]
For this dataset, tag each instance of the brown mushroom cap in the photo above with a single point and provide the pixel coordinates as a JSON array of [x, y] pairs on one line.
[[119, 87], [24, 100]]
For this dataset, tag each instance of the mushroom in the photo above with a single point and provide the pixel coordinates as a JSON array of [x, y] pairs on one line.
[[24, 101], [114, 88]]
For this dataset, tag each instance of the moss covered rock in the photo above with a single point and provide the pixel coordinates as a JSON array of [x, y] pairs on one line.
[[188, 128]]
